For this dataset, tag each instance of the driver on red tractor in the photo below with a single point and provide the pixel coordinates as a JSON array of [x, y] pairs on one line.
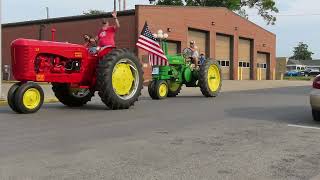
[[195, 53], [106, 34]]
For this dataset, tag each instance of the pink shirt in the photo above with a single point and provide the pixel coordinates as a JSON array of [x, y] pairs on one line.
[[106, 37]]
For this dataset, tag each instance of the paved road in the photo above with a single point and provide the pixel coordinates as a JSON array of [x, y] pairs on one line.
[[239, 135]]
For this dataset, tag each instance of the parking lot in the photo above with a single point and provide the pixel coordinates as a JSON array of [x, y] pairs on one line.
[[247, 133]]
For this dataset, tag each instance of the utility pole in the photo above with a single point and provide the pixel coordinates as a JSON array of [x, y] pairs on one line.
[[0, 55], [124, 5], [114, 5], [119, 5], [47, 10]]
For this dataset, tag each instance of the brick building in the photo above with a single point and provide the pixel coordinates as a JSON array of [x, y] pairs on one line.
[[244, 49]]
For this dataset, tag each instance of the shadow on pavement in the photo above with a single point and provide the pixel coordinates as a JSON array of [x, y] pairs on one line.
[[290, 114]]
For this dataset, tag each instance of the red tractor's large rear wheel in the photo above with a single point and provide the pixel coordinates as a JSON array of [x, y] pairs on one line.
[[72, 97], [119, 79]]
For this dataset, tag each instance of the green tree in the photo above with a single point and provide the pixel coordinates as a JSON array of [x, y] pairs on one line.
[[94, 12], [170, 2], [265, 8], [301, 52]]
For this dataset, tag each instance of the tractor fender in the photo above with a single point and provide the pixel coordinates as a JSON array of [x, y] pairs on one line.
[[105, 50], [187, 74]]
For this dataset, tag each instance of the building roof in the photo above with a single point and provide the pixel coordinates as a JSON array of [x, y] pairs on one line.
[[69, 18], [315, 62], [120, 13], [208, 7]]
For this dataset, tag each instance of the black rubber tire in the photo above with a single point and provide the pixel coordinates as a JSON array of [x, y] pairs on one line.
[[151, 89], [104, 79], [316, 115], [11, 97], [63, 94], [21, 108], [156, 89], [203, 79], [175, 92]]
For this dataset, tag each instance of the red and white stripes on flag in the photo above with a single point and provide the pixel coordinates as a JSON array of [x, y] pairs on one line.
[[149, 43], [155, 60]]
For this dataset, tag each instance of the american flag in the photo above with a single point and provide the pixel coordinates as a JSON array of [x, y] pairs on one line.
[[150, 44]]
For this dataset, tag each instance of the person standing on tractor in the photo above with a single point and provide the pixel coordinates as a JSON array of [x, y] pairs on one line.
[[106, 35], [195, 53]]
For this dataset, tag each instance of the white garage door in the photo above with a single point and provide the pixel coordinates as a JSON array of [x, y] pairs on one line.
[[244, 56], [223, 52], [200, 38]]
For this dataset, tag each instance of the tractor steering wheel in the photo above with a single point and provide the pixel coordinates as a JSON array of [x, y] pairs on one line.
[[187, 53]]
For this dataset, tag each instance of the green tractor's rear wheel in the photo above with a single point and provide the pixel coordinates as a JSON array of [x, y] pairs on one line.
[[71, 97], [119, 79], [174, 88], [210, 80]]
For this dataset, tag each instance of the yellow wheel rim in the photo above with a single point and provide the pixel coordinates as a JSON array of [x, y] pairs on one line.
[[214, 78], [122, 79], [31, 98], [163, 90]]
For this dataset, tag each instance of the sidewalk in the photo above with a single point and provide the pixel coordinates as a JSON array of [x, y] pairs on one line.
[[227, 86]]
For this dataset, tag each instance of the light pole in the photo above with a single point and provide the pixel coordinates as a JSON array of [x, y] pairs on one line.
[[47, 10], [0, 55]]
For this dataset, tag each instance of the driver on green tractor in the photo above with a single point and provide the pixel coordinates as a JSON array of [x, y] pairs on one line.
[[195, 53]]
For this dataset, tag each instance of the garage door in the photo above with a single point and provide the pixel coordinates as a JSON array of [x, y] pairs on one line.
[[200, 38], [262, 66], [223, 50], [244, 55]]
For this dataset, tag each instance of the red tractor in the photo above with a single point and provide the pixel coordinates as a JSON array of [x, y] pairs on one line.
[[75, 73]]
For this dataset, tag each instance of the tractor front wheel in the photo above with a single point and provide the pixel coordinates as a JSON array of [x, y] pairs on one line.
[[72, 97], [28, 98], [174, 88], [11, 97], [151, 89], [210, 80], [119, 79], [160, 89]]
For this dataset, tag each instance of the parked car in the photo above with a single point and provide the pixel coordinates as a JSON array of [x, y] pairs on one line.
[[315, 99], [311, 72], [293, 73]]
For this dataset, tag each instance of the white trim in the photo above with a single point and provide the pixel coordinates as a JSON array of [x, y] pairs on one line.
[[306, 127]]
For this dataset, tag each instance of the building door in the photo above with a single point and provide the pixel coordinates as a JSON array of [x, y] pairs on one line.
[[200, 37], [244, 59], [262, 66], [223, 54]]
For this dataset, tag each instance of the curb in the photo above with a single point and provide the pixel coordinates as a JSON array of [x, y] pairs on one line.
[[48, 100]]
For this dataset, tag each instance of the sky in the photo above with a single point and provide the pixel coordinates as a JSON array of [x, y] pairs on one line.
[[298, 20]]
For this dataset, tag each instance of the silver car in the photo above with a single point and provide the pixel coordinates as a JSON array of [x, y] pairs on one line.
[[315, 99]]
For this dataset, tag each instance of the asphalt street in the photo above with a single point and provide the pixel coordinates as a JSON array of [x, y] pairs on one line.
[[238, 135]]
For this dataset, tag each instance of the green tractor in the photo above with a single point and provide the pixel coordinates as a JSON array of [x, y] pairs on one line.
[[168, 80]]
